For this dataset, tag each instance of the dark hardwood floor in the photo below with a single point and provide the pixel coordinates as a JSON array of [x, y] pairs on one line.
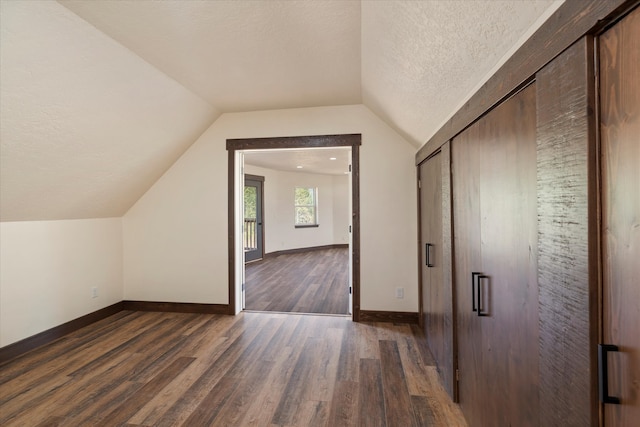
[[263, 369], [307, 282]]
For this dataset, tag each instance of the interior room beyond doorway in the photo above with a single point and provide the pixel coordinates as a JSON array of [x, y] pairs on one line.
[[305, 265]]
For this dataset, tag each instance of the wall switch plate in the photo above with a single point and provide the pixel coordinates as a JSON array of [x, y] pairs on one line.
[[399, 292], [94, 292]]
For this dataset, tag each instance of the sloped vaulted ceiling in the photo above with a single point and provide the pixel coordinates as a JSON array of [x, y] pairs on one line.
[[99, 98], [86, 126]]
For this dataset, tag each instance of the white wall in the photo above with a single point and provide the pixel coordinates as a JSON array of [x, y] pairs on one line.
[[333, 209], [47, 270], [341, 211], [175, 236]]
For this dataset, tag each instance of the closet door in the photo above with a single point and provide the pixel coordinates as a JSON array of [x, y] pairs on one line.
[[436, 292], [620, 142], [508, 296], [431, 231], [472, 378], [495, 228]]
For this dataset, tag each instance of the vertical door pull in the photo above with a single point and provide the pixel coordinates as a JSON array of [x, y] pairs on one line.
[[427, 250], [473, 291], [479, 288], [603, 374]]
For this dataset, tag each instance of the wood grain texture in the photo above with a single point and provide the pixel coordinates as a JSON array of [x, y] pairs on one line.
[[231, 229], [620, 148], [313, 141], [436, 281], [355, 232], [571, 21], [175, 307], [252, 369], [397, 399], [16, 349], [494, 169], [371, 405], [566, 225], [467, 259], [388, 316], [449, 313], [508, 298], [315, 281], [311, 248]]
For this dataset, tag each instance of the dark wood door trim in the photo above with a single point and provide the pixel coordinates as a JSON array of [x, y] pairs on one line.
[[254, 177], [314, 141]]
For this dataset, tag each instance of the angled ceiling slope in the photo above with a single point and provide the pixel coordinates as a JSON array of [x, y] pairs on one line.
[[412, 62], [99, 98], [86, 126], [243, 55]]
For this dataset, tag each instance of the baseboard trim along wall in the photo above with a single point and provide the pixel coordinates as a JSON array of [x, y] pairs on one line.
[[16, 349], [312, 248], [176, 307], [388, 316], [21, 347]]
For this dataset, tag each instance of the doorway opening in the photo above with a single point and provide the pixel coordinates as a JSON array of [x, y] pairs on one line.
[[237, 149]]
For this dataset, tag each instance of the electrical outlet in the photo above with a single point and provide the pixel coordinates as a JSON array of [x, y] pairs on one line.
[[94, 292], [400, 293]]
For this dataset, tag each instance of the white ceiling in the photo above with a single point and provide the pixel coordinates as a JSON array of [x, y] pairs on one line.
[[243, 55], [328, 161], [99, 98]]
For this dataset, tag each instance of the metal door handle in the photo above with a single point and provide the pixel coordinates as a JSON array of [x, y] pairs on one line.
[[427, 250], [480, 277], [473, 290], [603, 374]]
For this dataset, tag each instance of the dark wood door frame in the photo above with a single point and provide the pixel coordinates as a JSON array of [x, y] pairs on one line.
[[318, 141]]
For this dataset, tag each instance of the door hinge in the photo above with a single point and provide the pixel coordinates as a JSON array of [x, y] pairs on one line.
[[349, 229], [349, 290], [349, 168], [419, 184], [243, 286], [457, 374]]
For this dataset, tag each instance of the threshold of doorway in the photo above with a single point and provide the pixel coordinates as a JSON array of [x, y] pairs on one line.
[[297, 313]]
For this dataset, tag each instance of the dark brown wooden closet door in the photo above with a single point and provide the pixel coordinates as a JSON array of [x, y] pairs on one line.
[[620, 142], [495, 229], [433, 293], [465, 166], [509, 296]]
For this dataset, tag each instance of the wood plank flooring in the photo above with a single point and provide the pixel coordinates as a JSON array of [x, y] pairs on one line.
[[254, 369], [307, 282]]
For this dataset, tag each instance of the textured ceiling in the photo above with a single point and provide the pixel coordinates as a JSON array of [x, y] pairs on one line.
[[86, 127], [99, 98], [422, 59]]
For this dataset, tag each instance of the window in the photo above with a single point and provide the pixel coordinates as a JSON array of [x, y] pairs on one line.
[[306, 206]]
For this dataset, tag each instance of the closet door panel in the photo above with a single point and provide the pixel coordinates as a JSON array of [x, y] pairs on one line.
[[495, 229], [620, 139], [431, 298], [567, 236], [465, 171], [436, 285], [509, 296]]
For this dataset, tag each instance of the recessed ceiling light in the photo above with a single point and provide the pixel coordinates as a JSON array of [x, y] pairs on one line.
[[298, 167], [332, 158]]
